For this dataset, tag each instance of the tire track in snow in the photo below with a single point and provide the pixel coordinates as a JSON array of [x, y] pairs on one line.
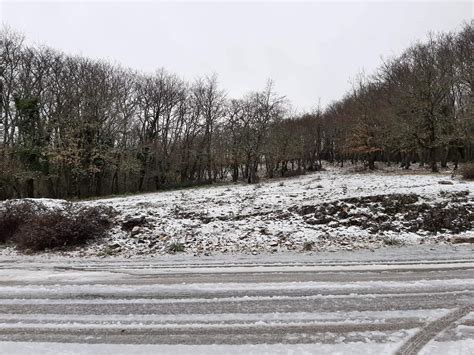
[[264, 305], [420, 339]]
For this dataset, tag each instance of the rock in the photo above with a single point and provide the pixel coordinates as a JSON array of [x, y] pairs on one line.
[[135, 230], [273, 243], [462, 239], [130, 223], [206, 220], [445, 182]]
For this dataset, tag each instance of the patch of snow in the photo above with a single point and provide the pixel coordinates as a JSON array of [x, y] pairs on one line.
[[458, 347], [354, 348], [427, 286], [353, 317]]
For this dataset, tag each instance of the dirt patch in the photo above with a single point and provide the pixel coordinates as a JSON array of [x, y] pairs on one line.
[[395, 212]]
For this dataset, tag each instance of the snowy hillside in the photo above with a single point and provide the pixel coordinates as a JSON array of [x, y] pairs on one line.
[[328, 210]]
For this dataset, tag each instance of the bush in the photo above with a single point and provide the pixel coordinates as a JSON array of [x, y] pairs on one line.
[[31, 226], [176, 248], [392, 241], [467, 171], [15, 213], [308, 246], [62, 229]]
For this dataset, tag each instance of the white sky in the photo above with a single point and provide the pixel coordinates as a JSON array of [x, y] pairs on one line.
[[310, 49]]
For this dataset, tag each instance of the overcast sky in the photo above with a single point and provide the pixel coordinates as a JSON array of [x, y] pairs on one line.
[[311, 50]]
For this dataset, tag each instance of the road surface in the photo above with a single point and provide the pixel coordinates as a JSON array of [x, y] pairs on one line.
[[395, 300]]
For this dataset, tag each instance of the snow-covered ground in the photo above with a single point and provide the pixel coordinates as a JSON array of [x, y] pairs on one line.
[[359, 302], [310, 211], [355, 348]]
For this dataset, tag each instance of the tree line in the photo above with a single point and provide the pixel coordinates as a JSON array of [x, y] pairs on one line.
[[72, 127]]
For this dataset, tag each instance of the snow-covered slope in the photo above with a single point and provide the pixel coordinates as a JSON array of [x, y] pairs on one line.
[[282, 215]]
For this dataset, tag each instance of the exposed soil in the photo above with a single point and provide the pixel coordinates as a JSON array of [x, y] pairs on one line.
[[394, 212]]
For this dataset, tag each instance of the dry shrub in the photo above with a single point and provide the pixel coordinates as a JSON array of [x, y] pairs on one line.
[[31, 226], [467, 171], [176, 247], [308, 245], [63, 228], [15, 213]]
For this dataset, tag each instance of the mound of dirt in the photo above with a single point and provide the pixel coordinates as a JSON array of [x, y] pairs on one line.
[[394, 212]]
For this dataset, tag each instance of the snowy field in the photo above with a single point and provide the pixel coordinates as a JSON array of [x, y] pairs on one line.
[[324, 211]]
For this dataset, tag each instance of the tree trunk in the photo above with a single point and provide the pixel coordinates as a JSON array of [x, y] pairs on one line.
[[141, 180], [235, 172], [30, 188], [433, 161], [444, 158], [372, 161]]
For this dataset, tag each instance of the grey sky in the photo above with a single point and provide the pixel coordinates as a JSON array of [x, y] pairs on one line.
[[311, 50]]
